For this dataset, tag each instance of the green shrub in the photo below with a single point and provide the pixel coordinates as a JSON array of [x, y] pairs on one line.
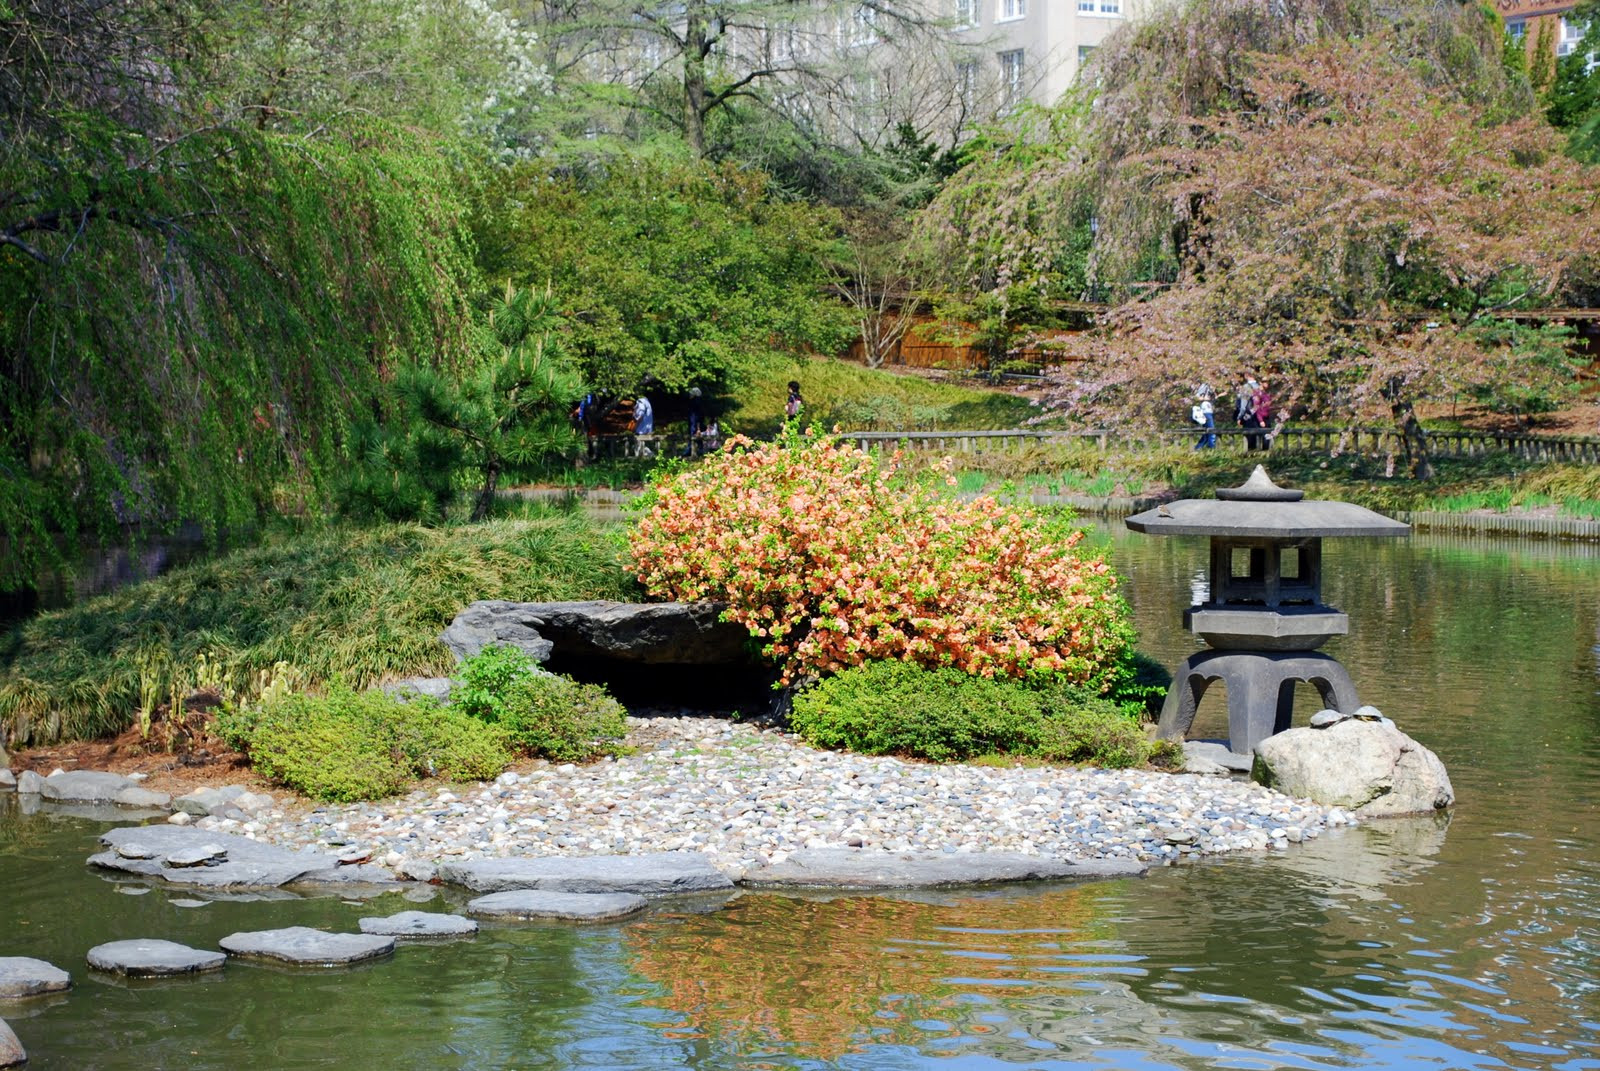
[[540, 713], [351, 745], [896, 708]]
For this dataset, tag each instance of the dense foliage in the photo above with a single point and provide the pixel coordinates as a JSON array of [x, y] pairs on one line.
[[682, 274], [832, 558], [942, 714]]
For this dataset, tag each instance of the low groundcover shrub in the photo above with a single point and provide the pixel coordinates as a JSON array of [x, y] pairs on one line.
[[350, 745], [541, 714], [942, 714]]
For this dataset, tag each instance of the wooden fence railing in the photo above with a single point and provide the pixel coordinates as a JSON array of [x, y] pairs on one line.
[[1581, 449]]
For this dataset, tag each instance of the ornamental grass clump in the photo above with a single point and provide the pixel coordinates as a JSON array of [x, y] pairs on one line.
[[832, 558]]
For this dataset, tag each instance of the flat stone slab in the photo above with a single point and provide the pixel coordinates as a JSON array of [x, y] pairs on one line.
[[858, 868], [418, 924], [248, 863], [12, 1053], [23, 976], [575, 907], [305, 947], [91, 786], [651, 874], [146, 957]]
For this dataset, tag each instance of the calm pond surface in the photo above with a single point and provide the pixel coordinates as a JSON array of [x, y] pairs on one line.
[[1412, 944]]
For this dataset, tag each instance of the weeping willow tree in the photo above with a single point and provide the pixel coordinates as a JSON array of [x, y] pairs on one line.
[[191, 307]]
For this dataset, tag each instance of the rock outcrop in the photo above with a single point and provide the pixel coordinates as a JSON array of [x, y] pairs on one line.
[[1364, 764], [642, 633]]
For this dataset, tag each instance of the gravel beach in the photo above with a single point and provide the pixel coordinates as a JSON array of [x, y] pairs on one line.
[[748, 795]]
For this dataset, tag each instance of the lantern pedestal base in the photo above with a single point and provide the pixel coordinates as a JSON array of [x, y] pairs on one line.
[[1260, 691]]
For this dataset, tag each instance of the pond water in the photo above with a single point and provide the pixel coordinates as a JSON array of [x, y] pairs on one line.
[[1471, 943]]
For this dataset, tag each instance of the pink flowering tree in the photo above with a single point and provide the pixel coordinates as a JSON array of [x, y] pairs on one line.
[[833, 558]]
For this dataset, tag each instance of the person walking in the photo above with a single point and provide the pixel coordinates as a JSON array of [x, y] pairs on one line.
[[794, 405], [1203, 412], [1261, 412], [643, 423]]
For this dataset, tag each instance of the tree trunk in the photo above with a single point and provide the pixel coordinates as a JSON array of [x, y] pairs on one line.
[[696, 47], [485, 503]]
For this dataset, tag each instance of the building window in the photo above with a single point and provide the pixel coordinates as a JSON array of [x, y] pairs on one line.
[[1086, 7], [967, 83], [1571, 34], [1111, 7], [966, 13], [1011, 9], [1011, 74], [1516, 29], [1084, 52]]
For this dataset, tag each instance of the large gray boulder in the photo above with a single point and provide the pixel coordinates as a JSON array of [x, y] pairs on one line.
[[650, 874], [663, 633], [865, 868], [12, 1054], [167, 852], [1368, 767]]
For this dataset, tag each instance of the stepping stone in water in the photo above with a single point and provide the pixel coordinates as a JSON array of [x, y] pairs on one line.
[[576, 907], [303, 946], [12, 1054], [146, 957], [649, 874], [21, 976], [420, 924]]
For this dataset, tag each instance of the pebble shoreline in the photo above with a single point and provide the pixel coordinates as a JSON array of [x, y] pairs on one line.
[[748, 796]]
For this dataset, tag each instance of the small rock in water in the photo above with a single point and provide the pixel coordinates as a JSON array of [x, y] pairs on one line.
[[180, 818]]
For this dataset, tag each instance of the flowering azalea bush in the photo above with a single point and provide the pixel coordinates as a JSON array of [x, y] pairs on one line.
[[834, 559]]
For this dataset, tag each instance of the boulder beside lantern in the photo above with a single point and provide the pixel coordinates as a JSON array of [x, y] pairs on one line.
[[1265, 618]]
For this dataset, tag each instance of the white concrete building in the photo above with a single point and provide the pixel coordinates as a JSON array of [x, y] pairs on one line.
[[1036, 47]]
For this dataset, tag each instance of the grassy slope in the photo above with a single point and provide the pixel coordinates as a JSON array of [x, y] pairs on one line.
[[367, 604], [861, 399]]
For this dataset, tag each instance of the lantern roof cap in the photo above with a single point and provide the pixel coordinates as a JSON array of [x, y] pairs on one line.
[[1259, 508]]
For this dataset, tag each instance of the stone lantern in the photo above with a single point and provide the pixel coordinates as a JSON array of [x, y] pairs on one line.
[[1265, 618]]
